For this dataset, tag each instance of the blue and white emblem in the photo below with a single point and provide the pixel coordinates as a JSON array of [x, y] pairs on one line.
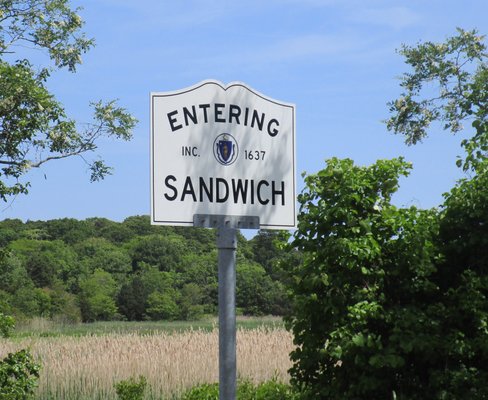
[[225, 149]]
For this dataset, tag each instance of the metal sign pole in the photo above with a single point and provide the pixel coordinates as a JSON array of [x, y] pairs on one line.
[[227, 226], [227, 245]]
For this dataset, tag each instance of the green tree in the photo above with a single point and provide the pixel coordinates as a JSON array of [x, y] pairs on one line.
[[391, 303], [109, 230], [160, 295], [100, 253], [162, 251], [464, 226], [25, 302], [162, 306], [5, 302], [34, 127], [266, 249], [63, 306], [10, 230], [198, 240], [7, 324], [201, 269], [146, 292], [448, 83], [18, 372], [365, 312], [69, 230], [18, 295], [132, 299], [46, 261], [191, 302], [42, 268], [463, 280], [97, 296], [140, 225], [253, 289], [13, 274]]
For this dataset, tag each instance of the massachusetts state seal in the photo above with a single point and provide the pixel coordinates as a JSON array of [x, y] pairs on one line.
[[225, 149]]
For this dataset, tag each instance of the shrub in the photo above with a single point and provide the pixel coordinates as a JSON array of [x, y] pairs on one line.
[[7, 323], [270, 390], [206, 391], [389, 302], [131, 389], [364, 315], [18, 376], [274, 390]]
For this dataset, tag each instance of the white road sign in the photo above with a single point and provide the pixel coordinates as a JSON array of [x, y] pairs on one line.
[[222, 150]]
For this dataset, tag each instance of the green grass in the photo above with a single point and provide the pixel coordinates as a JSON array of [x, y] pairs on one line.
[[47, 328]]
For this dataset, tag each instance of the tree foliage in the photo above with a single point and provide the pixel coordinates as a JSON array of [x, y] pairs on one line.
[[97, 296], [359, 315], [98, 269], [448, 84], [459, 67], [19, 374], [34, 126], [7, 324], [391, 302]]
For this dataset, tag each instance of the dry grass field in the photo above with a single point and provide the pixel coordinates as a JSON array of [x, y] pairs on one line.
[[86, 367]]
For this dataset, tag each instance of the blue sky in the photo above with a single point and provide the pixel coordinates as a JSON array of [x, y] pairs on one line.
[[335, 60]]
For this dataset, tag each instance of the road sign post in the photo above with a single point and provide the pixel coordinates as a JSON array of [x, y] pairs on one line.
[[227, 227], [227, 245], [223, 156]]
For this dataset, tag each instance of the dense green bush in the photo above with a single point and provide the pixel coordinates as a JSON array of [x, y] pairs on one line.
[[274, 390], [18, 376], [205, 391], [390, 303], [131, 389], [270, 390], [7, 324], [360, 315]]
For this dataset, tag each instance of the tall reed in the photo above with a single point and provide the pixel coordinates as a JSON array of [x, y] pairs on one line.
[[87, 367]]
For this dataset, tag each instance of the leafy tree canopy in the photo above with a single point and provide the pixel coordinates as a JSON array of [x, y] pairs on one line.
[[385, 305], [132, 270], [449, 84], [34, 127]]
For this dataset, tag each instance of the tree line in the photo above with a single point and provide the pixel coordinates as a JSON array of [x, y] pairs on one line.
[[97, 269]]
